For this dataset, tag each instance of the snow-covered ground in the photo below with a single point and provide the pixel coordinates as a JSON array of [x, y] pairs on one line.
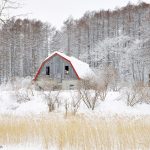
[[115, 103]]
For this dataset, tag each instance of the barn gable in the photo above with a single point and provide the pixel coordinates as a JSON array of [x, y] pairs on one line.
[[79, 70]]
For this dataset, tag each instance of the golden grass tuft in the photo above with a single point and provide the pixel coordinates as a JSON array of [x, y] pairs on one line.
[[117, 133]]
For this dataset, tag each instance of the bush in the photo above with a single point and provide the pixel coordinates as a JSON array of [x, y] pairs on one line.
[[91, 92], [52, 99], [137, 93]]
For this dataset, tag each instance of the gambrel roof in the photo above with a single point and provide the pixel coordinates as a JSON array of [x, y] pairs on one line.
[[81, 69]]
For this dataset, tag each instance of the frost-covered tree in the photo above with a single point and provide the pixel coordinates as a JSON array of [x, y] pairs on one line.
[[119, 37], [24, 45]]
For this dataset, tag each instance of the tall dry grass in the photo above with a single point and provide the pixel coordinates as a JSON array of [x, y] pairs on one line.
[[78, 133]]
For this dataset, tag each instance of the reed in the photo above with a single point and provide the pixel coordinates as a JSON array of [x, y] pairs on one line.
[[78, 132]]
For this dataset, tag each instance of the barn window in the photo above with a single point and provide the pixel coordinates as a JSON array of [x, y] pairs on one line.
[[66, 69], [47, 70]]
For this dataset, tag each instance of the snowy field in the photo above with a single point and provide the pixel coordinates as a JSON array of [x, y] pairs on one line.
[[27, 124], [114, 104]]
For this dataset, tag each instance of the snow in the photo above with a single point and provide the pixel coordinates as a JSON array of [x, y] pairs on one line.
[[83, 70], [9, 105], [35, 106], [115, 103]]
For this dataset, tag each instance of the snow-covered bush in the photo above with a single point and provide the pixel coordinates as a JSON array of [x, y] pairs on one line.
[[22, 96], [137, 93], [52, 99], [94, 89], [91, 91]]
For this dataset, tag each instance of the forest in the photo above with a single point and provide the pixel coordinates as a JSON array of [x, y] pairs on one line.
[[118, 38]]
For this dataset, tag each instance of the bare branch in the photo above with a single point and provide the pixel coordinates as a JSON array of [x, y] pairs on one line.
[[6, 5]]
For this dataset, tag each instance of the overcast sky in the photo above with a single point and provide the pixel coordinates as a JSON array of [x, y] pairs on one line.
[[56, 11]]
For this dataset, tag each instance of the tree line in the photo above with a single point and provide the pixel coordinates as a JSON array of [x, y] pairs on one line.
[[24, 44], [119, 38]]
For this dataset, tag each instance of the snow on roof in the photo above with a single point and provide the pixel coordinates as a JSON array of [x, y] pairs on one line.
[[83, 70]]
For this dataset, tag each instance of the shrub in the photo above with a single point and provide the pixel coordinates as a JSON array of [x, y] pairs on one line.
[[52, 98], [137, 93], [91, 92]]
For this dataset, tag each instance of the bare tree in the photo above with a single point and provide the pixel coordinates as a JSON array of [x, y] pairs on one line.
[[5, 6]]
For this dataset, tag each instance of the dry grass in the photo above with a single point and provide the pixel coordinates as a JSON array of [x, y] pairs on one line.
[[78, 133]]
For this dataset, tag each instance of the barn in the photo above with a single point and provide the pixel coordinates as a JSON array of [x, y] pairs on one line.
[[63, 70]]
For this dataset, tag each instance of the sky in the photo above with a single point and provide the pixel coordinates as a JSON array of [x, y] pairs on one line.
[[56, 12]]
